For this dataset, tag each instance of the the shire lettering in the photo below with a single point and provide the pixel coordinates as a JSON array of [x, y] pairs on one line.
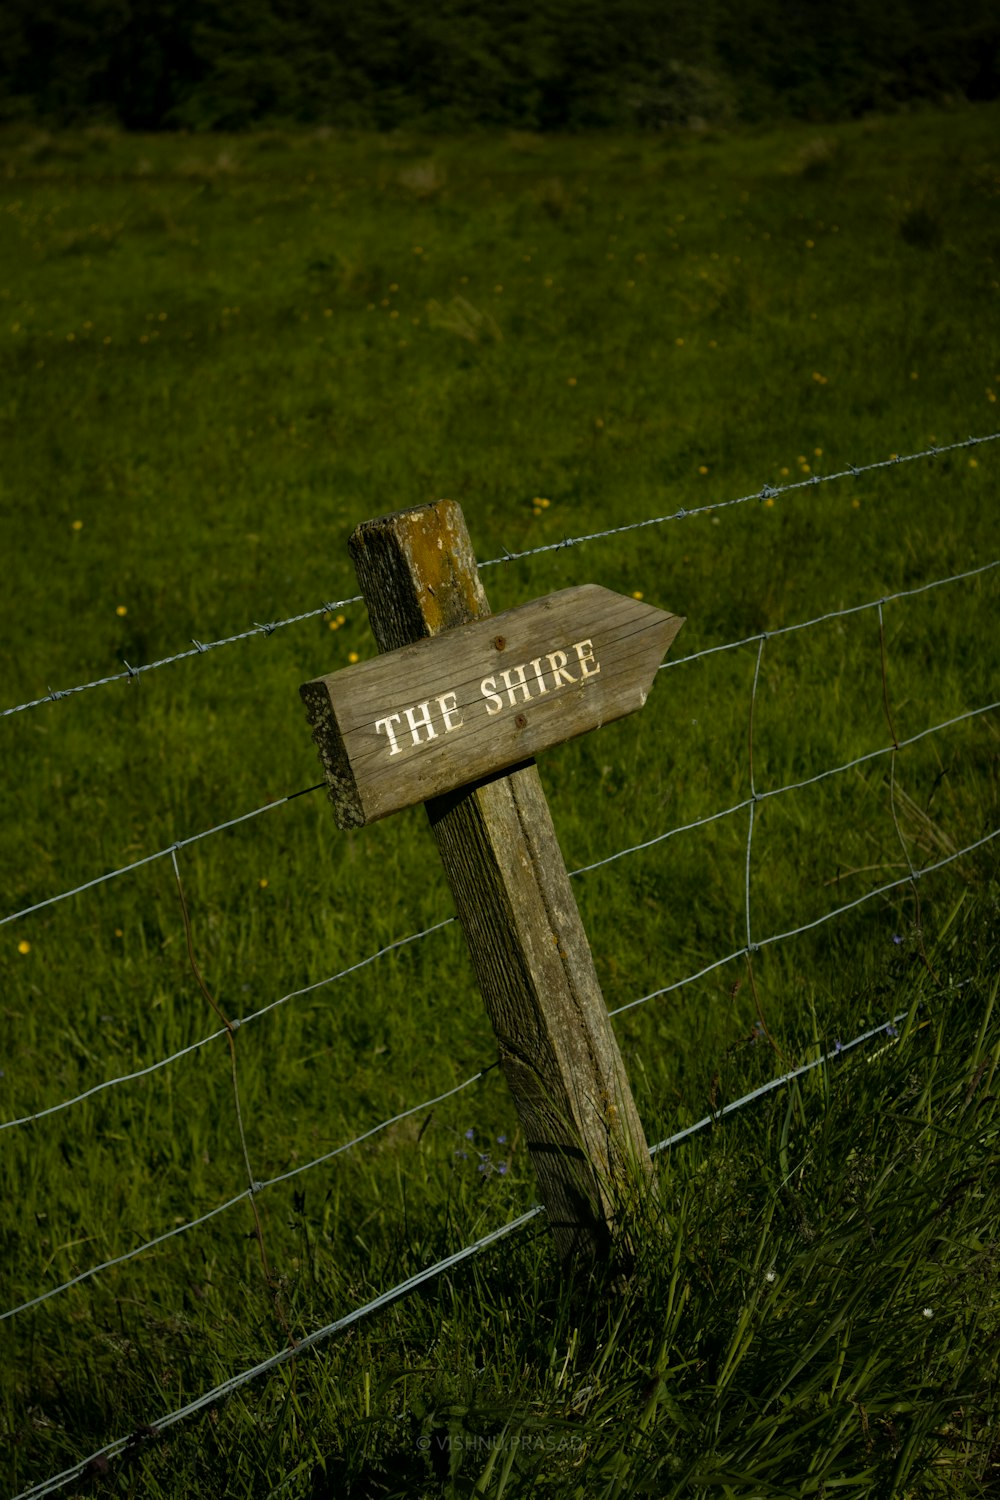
[[516, 682], [423, 722]]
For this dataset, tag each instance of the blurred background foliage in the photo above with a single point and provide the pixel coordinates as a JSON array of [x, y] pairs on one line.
[[524, 64]]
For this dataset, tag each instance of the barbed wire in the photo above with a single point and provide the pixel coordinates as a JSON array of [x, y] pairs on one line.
[[768, 492], [197, 648], [746, 803], [673, 662], [395, 1293], [749, 948]]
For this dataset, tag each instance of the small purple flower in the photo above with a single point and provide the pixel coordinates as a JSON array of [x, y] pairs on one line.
[[484, 1164], [501, 1140], [469, 1133], [838, 1046], [890, 1030], [502, 1168], [896, 939]]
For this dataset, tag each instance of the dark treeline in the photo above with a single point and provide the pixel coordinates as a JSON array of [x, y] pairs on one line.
[[530, 64]]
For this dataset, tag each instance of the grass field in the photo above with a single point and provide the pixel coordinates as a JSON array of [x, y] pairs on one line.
[[218, 356]]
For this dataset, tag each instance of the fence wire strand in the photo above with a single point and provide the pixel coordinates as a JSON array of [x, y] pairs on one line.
[[752, 945], [833, 614], [229, 1387], [748, 802], [254, 1015], [749, 640], [743, 952], [197, 648], [768, 492], [148, 859], [250, 1192], [780, 937]]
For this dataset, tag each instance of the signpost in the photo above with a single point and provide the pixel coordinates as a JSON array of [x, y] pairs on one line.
[[450, 715]]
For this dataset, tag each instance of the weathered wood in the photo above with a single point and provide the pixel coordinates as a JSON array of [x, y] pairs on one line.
[[455, 707], [418, 575]]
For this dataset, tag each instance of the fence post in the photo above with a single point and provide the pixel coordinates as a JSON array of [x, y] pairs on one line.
[[418, 575], [511, 891]]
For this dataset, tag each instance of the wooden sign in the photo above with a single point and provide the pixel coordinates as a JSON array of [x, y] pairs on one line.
[[454, 708], [458, 695]]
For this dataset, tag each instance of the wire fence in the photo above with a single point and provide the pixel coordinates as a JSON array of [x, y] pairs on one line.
[[753, 944], [413, 937], [221, 1392], [750, 640], [767, 492]]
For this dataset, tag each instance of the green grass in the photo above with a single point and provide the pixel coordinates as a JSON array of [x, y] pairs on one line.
[[219, 355]]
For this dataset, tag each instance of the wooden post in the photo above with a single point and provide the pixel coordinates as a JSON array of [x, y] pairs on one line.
[[419, 578]]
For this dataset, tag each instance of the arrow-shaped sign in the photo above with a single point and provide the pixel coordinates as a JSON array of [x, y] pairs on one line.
[[453, 708]]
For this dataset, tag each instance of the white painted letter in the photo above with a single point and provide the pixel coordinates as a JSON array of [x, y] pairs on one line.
[[387, 724], [559, 669], [420, 718], [448, 704], [488, 688], [512, 688], [537, 664], [583, 657]]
